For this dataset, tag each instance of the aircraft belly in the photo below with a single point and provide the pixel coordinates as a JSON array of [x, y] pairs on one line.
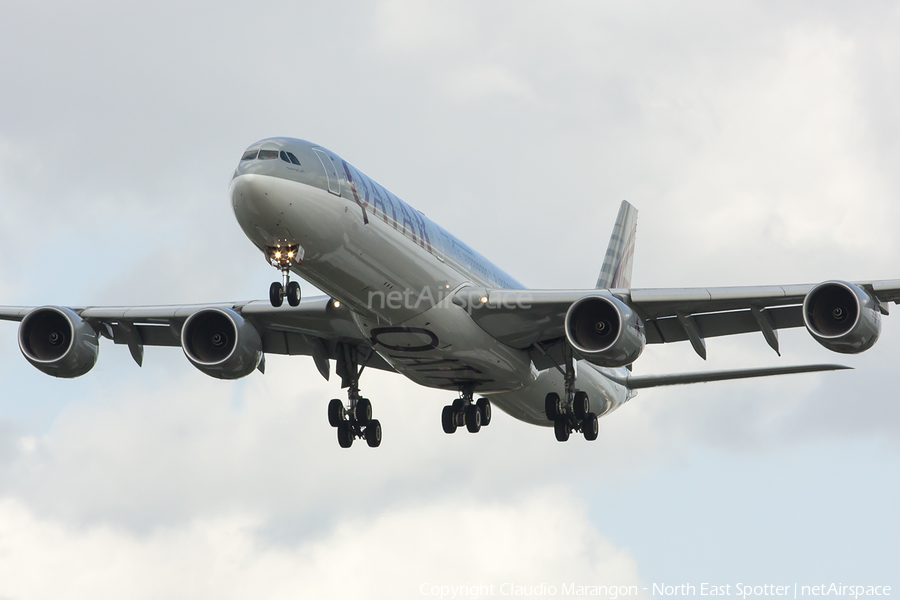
[[527, 403], [444, 348], [381, 272]]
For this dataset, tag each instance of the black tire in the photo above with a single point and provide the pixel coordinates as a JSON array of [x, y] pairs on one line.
[[336, 413], [363, 411], [484, 405], [590, 427], [581, 404], [345, 438], [473, 419], [551, 406], [373, 433], [275, 294], [293, 293], [561, 429], [448, 419], [458, 404]]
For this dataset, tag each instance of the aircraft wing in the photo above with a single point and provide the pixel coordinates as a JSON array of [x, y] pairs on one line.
[[315, 328], [535, 319]]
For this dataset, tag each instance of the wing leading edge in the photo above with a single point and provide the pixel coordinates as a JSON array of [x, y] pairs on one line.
[[315, 328], [523, 318]]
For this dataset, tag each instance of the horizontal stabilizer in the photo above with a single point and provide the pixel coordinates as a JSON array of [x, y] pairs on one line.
[[648, 381]]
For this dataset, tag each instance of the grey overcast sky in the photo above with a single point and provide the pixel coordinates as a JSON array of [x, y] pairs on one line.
[[759, 140]]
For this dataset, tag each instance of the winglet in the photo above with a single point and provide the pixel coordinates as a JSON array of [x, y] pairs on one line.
[[616, 270]]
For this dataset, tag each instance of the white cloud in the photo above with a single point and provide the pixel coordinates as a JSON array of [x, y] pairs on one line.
[[414, 26], [784, 151], [545, 538], [485, 81]]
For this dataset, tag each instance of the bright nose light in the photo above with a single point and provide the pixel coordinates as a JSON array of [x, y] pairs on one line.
[[337, 303], [278, 255], [484, 299]]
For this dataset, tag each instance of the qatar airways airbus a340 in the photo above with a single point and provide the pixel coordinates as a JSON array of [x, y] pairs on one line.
[[404, 295]]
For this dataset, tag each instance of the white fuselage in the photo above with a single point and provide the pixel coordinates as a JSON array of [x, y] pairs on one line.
[[397, 271]]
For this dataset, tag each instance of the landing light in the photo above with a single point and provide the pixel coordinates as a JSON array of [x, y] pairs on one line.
[[336, 303], [278, 255], [484, 299]]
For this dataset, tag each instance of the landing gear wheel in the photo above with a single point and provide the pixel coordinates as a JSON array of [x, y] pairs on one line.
[[345, 436], [484, 407], [275, 294], [448, 419], [373, 433], [473, 419], [552, 406], [581, 404], [336, 413], [590, 427], [561, 429], [363, 411], [292, 291]]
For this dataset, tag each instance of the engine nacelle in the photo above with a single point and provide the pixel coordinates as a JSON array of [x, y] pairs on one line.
[[842, 317], [219, 342], [605, 331], [58, 342]]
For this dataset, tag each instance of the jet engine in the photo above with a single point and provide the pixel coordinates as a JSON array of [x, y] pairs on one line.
[[219, 342], [842, 317], [605, 331], [58, 342]]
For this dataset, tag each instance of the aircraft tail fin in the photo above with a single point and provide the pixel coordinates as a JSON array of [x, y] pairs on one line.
[[616, 270]]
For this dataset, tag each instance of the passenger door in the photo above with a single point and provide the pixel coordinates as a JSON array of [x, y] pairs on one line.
[[334, 182]]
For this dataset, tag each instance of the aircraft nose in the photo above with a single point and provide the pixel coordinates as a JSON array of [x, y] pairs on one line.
[[244, 199], [251, 200], [258, 208]]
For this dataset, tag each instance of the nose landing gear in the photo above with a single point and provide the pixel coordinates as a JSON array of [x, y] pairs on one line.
[[281, 257]]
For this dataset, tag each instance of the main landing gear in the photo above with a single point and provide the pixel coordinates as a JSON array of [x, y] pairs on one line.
[[574, 412], [281, 258], [464, 412], [354, 420]]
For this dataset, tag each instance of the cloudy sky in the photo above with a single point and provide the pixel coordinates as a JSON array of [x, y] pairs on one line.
[[758, 140]]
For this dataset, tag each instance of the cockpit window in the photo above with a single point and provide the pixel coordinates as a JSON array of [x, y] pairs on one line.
[[249, 155], [293, 158], [268, 154], [284, 157]]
